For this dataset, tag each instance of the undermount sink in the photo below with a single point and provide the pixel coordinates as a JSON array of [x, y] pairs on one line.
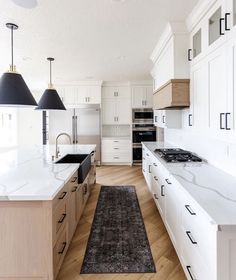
[[83, 160]]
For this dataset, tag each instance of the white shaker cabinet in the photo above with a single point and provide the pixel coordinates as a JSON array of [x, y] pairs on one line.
[[142, 96], [168, 118], [88, 95]]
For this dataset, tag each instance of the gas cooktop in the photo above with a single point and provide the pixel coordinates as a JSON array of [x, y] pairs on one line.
[[177, 155]]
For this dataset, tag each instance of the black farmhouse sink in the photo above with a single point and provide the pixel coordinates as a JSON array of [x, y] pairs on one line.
[[85, 164]]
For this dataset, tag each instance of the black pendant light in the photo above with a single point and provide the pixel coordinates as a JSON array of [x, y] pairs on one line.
[[50, 99], [13, 90]]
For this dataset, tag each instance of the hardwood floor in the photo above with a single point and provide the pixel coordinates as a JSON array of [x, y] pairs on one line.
[[167, 263]]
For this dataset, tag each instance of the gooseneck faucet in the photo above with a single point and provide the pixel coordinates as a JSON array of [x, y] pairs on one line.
[[58, 136]]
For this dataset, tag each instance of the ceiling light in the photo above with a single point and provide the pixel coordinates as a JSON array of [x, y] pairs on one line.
[[50, 99], [28, 4], [13, 89]]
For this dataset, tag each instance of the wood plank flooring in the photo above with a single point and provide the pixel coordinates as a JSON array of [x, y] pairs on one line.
[[167, 263]]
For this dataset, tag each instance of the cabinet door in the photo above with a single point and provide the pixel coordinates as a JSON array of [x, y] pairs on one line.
[[123, 111], [109, 111], [149, 97], [217, 89], [81, 94], [72, 203], [79, 203], [94, 95], [138, 96], [70, 95], [199, 118]]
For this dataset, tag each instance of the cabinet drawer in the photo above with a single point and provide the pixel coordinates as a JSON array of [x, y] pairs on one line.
[[61, 196], [59, 250], [199, 231], [194, 265], [59, 218], [116, 157], [116, 143]]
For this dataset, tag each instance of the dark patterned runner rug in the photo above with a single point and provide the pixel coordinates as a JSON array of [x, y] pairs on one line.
[[118, 241]]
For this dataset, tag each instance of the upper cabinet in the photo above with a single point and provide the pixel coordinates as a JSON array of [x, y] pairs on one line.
[[142, 96], [75, 95], [116, 105]]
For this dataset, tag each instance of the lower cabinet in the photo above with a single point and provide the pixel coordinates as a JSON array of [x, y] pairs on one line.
[[205, 251], [116, 151]]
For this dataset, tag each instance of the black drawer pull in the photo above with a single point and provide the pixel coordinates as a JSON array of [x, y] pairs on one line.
[[85, 188], [62, 219], [190, 237], [63, 248], [74, 189], [190, 273], [168, 182], [190, 210], [189, 54], [226, 121], [221, 32], [63, 195], [147, 154], [74, 179], [156, 197], [149, 169], [221, 120], [155, 177], [154, 164], [162, 190], [226, 21]]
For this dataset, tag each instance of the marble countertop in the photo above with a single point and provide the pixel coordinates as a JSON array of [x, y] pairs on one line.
[[213, 189], [28, 173]]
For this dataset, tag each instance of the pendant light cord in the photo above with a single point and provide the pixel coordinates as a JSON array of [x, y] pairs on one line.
[[12, 61], [50, 73]]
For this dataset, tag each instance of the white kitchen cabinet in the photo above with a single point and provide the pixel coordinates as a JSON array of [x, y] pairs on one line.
[[116, 150], [168, 118], [116, 92], [76, 95], [142, 97], [88, 95], [116, 111]]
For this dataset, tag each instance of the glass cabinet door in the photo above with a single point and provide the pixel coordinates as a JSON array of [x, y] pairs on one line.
[[214, 26], [197, 43]]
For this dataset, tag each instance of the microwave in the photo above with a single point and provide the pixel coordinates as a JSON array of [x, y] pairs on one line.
[[142, 115]]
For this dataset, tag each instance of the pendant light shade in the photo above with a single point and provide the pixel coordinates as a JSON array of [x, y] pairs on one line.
[[13, 90], [50, 99]]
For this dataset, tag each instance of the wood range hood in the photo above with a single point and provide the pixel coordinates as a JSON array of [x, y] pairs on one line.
[[172, 95]]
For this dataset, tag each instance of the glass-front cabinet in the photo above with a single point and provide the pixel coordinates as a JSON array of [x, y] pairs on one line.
[[197, 43], [215, 26]]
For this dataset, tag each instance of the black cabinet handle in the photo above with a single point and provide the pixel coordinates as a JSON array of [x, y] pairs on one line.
[[63, 248], [85, 188], [162, 190], [154, 164], [226, 121], [221, 120], [190, 120], [63, 195], [190, 210], [74, 189], [73, 180], [156, 197], [168, 182], [62, 219], [190, 237], [227, 21], [190, 273], [189, 54], [163, 119], [155, 178], [221, 32], [149, 168]]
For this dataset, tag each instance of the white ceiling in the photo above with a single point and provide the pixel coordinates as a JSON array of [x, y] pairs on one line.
[[90, 39]]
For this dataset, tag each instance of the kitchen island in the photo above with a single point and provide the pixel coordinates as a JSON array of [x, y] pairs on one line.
[[41, 203]]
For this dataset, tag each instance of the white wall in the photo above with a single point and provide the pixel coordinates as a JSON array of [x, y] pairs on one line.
[[220, 153]]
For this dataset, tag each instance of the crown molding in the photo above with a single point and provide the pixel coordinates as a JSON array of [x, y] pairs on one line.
[[198, 12], [172, 29]]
